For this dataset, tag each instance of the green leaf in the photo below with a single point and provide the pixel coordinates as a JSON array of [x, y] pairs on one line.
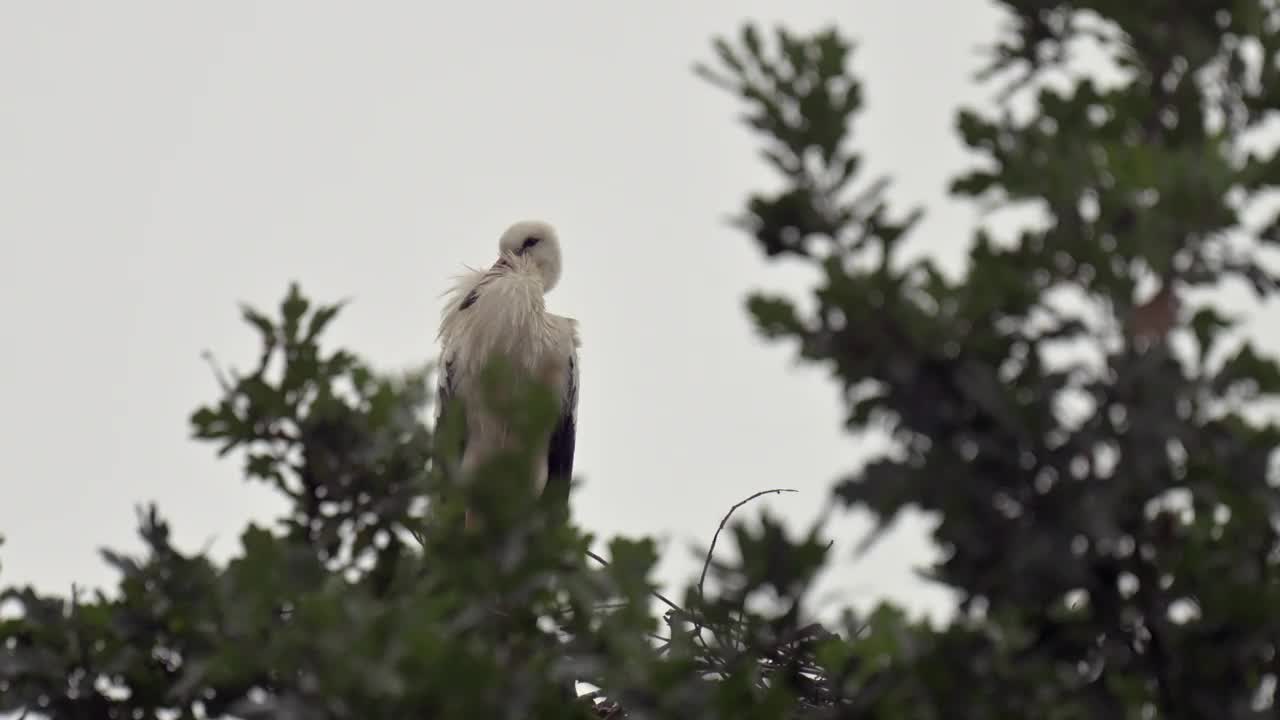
[[259, 321], [321, 318]]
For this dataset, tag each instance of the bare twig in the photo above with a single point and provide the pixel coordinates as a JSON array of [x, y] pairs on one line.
[[655, 593], [792, 652], [724, 521], [218, 373], [702, 579]]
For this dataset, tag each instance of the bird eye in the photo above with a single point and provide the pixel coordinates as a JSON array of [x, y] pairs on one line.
[[530, 242]]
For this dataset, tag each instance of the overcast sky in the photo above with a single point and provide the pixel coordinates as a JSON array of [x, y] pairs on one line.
[[161, 162]]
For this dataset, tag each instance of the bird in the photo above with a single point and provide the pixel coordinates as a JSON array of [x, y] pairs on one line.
[[501, 312]]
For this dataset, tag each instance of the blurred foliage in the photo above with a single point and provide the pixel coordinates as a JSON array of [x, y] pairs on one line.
[[1099, 470], [1104, 506]]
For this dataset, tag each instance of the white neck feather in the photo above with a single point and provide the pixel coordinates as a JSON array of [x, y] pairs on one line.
[[509, 317]]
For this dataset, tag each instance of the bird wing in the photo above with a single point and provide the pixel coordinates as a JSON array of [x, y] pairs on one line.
[[464, 292], [563, 438], [446, 389]]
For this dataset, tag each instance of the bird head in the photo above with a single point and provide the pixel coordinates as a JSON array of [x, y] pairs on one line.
[[532, 244]]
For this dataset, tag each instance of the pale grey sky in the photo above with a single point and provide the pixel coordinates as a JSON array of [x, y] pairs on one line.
[[161, 161]]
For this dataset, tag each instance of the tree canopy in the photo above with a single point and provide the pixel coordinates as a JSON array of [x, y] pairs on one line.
[[1078, 411]]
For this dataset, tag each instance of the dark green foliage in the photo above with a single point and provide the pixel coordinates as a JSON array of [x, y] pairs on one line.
[[368, 600], [1116, 562], [1123, 562]]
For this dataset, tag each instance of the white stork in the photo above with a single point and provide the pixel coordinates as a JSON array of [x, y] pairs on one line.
[[501, 312]]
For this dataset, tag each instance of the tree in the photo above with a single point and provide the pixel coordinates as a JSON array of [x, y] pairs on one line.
[[1115, 562], [1118, 562]]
